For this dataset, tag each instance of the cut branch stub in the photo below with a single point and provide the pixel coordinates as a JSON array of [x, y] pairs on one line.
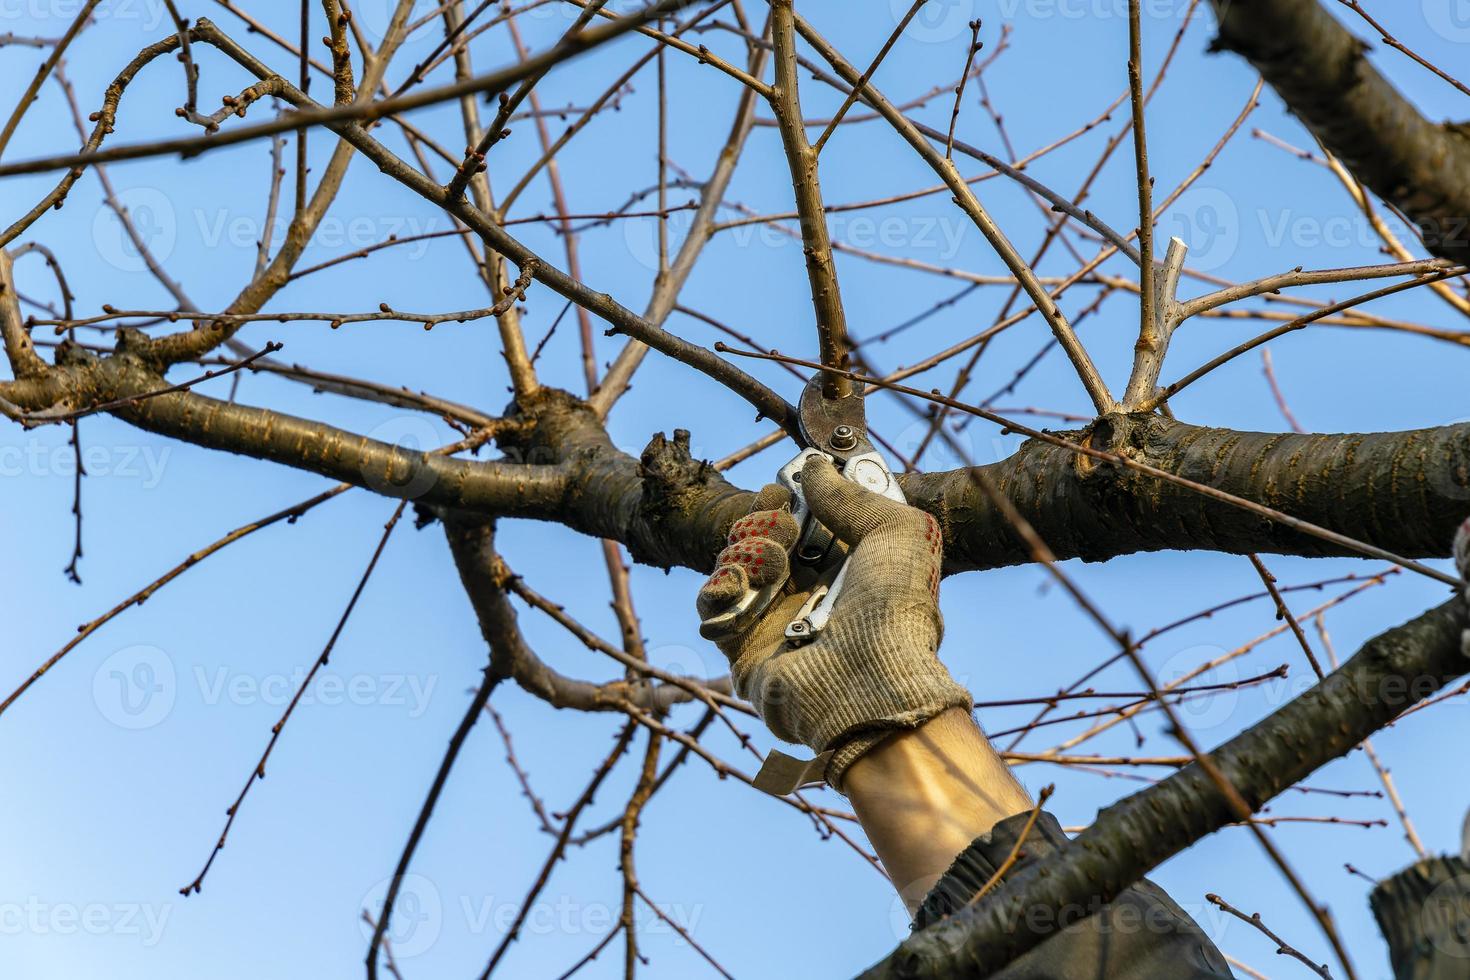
[[675, 488]]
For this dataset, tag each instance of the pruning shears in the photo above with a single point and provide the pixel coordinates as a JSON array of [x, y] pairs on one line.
[[837, 429]]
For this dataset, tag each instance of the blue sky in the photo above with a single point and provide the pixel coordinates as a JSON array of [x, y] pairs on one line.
[[123, 759]]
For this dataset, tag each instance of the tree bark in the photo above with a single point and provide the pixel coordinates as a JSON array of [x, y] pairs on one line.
[[1424, 912], [1403, 491], [1390, 674], [1319, 69], [484, 577]]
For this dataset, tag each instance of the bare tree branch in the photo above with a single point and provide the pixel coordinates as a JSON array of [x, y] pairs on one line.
[[359, 111], [970, 204], [1388, 675], [801, 160], [1319, 69]]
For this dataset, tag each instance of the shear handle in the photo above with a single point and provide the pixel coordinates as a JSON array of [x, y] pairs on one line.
[[867, 470], [812, 545]]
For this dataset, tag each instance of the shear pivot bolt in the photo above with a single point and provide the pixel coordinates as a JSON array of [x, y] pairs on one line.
[[843, 438]]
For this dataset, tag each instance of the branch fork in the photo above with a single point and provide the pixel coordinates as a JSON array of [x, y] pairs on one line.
[[1165, 315]]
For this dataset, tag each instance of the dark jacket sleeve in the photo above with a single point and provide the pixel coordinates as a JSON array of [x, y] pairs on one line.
[[1140, 935]]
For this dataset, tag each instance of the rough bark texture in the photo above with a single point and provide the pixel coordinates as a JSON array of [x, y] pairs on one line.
[[1391, 673], [1424, 912], [1403, 491], [1319, 69]]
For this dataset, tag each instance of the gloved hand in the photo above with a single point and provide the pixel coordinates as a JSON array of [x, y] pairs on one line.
[[874, 669]]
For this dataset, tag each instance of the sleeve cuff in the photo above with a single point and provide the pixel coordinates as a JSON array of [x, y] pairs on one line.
[[1140, 935]]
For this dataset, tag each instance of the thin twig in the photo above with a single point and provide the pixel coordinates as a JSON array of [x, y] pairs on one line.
[[1384, 777], [258, 772], [959, 90], [1169, 391], [1283, 948], [362, 111], [862, 82], [1014, 854]]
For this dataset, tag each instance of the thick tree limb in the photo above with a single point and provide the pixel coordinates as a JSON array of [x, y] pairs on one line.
[[1403, 491], [391, 470], [1319, 69], [1408, 488], [1390, 674]]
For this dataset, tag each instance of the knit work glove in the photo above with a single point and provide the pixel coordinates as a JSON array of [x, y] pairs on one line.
[[874, 669]]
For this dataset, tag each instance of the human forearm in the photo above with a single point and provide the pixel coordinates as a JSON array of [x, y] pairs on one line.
[[923, 795]]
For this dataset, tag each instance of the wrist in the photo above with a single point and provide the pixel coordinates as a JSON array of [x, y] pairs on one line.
[[852, 685]]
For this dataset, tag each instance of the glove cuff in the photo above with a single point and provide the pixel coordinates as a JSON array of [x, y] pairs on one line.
[[853, 745], [851, 751], [846, 693]]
